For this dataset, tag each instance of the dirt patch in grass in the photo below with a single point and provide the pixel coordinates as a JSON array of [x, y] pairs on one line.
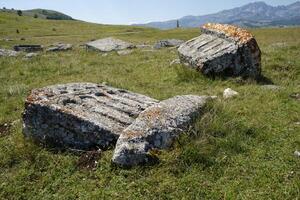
[[89, 160]]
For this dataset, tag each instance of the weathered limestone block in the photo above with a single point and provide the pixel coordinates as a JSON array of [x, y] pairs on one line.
[[223, 50], [156, 128], [109, 44], [81, 115]]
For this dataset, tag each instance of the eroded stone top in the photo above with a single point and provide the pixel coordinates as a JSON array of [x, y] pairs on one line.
[[81, 115], [236, 33]]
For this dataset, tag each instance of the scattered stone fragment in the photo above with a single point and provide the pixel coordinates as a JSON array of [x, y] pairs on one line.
[[31, 55], [295, 96], [271, 87], [223, 50], [109, 44], [81, 115], [168, 43], [156, 128], [7, 39], [229, 93], [60, 47], [144, 46], [175, 62], [28, 48], [124, 52], [8, 53], [297, 154], [5, 129]]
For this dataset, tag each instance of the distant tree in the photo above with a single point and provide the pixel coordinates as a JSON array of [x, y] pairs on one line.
[[12, 9], [4, 8], [19, 12], [177, 25], [35, 15]]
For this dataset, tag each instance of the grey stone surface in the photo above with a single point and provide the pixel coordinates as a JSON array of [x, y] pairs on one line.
[[229, 93], [60, 47], [81, 115], [156, 128], [144, 46], [175, 62], [31, 55], [124, 52], [109, 44], [28, 48], [223, 50], [8, 53], [271, 87], [168, 43]]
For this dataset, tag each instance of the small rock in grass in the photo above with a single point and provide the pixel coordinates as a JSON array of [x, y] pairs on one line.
[[60, 47], [31, 55], [168, 43], [5, 129], [175, 62], [295, 96], [8, 53], [271, 87], [144, 46], [124, 52], [229, 93], [297, 154]]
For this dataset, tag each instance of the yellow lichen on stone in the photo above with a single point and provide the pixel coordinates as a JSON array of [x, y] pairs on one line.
[[237, 33]]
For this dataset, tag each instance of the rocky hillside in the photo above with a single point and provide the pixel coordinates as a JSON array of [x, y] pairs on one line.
[[258, 14]]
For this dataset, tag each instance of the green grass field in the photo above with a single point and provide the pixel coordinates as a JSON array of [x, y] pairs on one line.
[[241, 149]]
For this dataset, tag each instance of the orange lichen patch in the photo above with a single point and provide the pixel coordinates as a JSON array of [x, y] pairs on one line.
[[152, 113], [32, 98], [237, 33], [132, 134]]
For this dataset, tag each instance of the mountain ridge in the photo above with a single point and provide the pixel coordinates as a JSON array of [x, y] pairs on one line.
[[255, 14], [41, 13]]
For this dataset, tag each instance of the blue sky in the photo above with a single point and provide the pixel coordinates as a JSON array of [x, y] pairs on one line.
[[131, 11]]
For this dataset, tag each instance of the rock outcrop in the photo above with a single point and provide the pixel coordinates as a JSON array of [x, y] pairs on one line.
[[156, 128], [81, 115], [168, 43], [223, 50], [109, 44], [8, 53], [60, 47], [28, 48]]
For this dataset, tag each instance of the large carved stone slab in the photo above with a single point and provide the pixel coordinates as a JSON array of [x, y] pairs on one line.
[[81, 115], [109, 44], [223, 50], [157, 128]]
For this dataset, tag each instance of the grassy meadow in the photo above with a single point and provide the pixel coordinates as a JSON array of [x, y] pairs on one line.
[[240, 149]]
